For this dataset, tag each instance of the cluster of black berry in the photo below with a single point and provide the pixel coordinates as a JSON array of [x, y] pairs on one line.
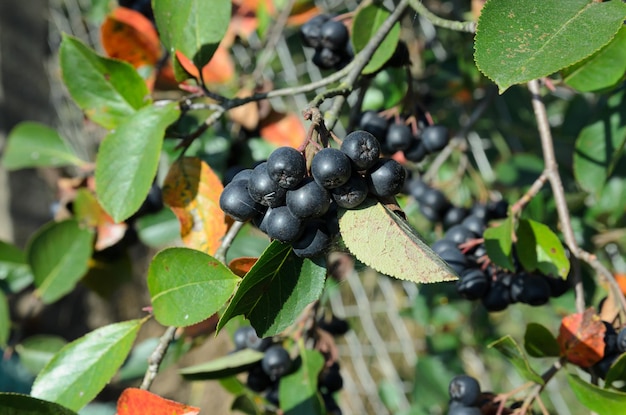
[[291, 206], [397, 136], [330, 39], [465, 396], [614, 346]]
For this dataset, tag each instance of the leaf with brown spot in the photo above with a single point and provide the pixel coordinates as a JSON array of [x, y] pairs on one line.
[[241, 266], [192, 190], [135, 401], [283, 129], [128, 35], [581, 338]]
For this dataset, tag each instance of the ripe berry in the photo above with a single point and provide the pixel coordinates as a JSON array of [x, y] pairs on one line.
[[558, 285], [475, 224], [455, 259], [311, 31], [443, 245], [374, 124], [330, 380], [258, 380], [416, 151], [459, 234], [464, 389], [334, 35], [281, 225], [621, 340], [350, 194], [498, 297], [330, 168], [287, 167], [464, 410], [472, 284], [436, 200], [253, 341], [531, 289], [314, 240], [362, 148], [386, 178], [240, 338], [263, 189], [480, 210], [308, 200], [236, 202], [417, 188], [454, 216], [276, 362], [325, 58], [336, 326], [435, 138], [399, 137]]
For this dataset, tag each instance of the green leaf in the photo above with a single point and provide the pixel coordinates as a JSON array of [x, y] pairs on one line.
[[386, 91], [600, 145], [540, 342], [79, 371], [107, 90], [499, 244], [375, 236], [520, 40], [223, 367], [601, 70], [36, 351], [366, 23], [5, 321], [128, 159], [539, 248], [192, 27], [18, 404], [432, 377], [617, 371], [276, 290], [511, 350], [14, 270], [158, 230], [58, 255], [598, 400], [188, 286], [31, 144], [297, 391]]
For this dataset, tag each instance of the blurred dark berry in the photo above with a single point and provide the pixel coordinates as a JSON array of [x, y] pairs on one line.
[[464, 389]]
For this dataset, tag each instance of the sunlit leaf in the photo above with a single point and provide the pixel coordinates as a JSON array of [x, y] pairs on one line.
[[499, 244], [539, 248], [596, 399], [135, 401], [36, 351], [377, 236], [367, 21], [581, 338], [511, 350], [298, 393], [192, 190], [79, 371]]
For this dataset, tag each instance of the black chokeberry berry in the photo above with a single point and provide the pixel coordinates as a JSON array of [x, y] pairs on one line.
[[308, 200], [436, 200], [276, 362], [350, 194], [240, 338], [263, 189], [435, 138], [362, 148], [334, 35], [443, 245], [498, 297], [311, 31], [281, 225], [236, 202], [455, 259], [417, 188], [287, 167], [454, 216], [621, 340], [459, 234], [314, 240], [464, 389], [399, 137], [416, 151], [386, 178], [330, 168], [374, 124], [258, 380], [534, 289], [330, 380], [473, 284], [475, 224], [325, 58]]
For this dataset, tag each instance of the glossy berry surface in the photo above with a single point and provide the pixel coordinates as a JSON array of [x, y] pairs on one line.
[[455, 259], [374, 124], [281, 225], [331, 168], [362, 148], [435, 199], [308, 200], [454, 216], [534, 291], [435, 138], [399, 137], [334, 35], [351, 194], [276, 362], [263, 189], [314, 240], [472, 284], [325, 58], [287, 167], [258, 380], [497, 298], [459, 234], [416, 151], [236, 202], [386, 178], [464, 410], [464, 389], [311, 31], [240, 337], [474, 224]]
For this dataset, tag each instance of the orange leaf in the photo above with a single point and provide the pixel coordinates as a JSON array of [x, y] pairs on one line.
[[88, 211], [135, 401], [241, 266], [283, 129], [245, 115], [581, 338], [192, 190], [621, 281], [130, 36], [219, 70]]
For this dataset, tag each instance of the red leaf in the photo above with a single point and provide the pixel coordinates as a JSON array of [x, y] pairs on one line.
[[219, 70], [241, 266], [140, 402], [283, 129], [581, 338], [128, 35]]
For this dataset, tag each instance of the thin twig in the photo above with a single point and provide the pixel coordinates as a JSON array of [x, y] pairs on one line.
[[530, 193], [155, 359], [418, 6], [546, 376], [227, 241]]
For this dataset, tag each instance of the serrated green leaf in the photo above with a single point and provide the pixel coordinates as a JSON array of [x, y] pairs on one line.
[[600, 145], [598, 400], [225, 366], [14, 270], [366, 23], [539, 248], [36, 351], [511, 350], [108, 90], [193, 27], [520, 40], [376, 236], [5, 321], [18, 404], [31, 144], [298, 393], [617, 371], [540, 342], [276, 290], [128, 159], [188, 286], [58, 254], [499, 244], [601, 70], [79, 371]]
